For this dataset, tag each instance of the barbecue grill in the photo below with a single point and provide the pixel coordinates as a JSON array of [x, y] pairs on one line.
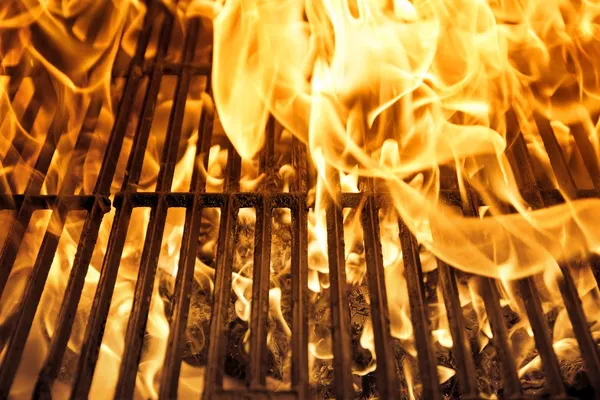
[[143, 74]]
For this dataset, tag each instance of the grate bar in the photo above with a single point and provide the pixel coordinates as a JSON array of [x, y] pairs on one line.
[[299, 269], [11, 90], [491, 299], [587, 153], [578, 319], [187, 262], [136, 326], [91, 228], [66, 316], [43, 262], [422, 332], [467, 376], [543, 341], [28, 305], [259, 357], [19, 224], [111, 154], [386, 369], [100, 307], [260, 295], [526, 287], [228, 234], [488, 291], [559, 164], [339, 294], [19, 142], [567, 285]]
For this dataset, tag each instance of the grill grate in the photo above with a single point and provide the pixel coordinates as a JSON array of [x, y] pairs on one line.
[[264, 202]]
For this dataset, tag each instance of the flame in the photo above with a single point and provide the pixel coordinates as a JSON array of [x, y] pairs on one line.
[[355, 83], [392, 90]]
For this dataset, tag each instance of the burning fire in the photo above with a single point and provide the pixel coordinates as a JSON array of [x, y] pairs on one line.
[[394, 91]]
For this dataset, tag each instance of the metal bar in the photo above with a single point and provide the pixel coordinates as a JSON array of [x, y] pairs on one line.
[[586, 342], [299, 158], [587, 153], [41, 268], [140, 141], [566, 285], [90, 347], [259, 356], [527, 288], [422, 331], [541, 335], [90, 231], [169, 157], [557, 158], [15, 236], [502, 344], [198, 182], [117, 135], [136, 326], [461, 349], [19, 224], [259, 359], [28, 306], [20, 140], [185, 274], [187, 262], [339, 294], [386, 370], [100, 307], [491, 300], [228, 232], [66, 316], [466, 373], [82, 145], [299, 269], [136, 329]]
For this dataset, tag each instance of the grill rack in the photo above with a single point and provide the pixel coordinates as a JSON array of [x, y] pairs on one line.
[[230, 201]]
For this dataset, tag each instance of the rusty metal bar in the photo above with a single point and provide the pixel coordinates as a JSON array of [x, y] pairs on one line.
[[541, 335], [528, 290], [566, 285], [136, 327], [338, 292], [502, 344], [461, 349], [19, 224], [387, 386], [19, 142], [259, 357], [187, 262], [39, 274], [299, 269], [488, 291], [418, 312], [260, 295], [228, 232], [557, 158], [587, 153], [91, 227], [100, 307]]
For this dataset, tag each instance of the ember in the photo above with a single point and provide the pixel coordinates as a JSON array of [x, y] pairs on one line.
[[349, 199]]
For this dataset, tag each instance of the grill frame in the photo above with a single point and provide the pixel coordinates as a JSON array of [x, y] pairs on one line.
[[264, 201]]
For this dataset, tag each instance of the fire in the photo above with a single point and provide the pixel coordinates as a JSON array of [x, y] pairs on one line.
[[383, 93]]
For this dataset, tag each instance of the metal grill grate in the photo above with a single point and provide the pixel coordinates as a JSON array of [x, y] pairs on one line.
[[264, 202]]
